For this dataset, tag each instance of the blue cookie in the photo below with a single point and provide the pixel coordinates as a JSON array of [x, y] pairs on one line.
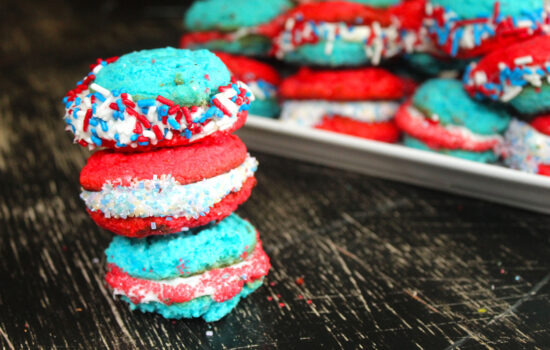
[[201, 273]]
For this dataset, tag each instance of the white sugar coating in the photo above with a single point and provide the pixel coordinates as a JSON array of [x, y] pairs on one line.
[[311, 112], [525, 147], [164, 196]]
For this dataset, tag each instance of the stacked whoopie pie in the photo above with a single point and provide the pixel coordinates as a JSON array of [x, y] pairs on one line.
[[168, 179], [519, 76]]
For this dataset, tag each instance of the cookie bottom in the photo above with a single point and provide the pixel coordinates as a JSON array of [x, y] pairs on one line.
[[482, 157], [204, 307]]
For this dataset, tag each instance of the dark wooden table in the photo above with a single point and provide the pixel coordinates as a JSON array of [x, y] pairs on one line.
[[384, 265]]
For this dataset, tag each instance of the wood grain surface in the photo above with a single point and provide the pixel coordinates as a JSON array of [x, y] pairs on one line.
[[357, 262]]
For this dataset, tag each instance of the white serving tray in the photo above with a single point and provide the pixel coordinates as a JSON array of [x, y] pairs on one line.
[[395, 162]]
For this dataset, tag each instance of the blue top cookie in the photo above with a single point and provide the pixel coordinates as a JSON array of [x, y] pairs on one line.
[[183, 76], [483, 8], [184, 254], [449, 101], [230, 15]]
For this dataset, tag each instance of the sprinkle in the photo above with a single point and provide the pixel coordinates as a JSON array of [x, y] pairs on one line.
[[153, 226], [165, 101], [87, 120], [300, 281], [482, 310], [523, 60], [281, 304], [173, 123], [309, 301], [209, 333]]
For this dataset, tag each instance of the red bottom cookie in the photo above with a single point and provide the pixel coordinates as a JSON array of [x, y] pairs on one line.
[[142, 227], [381, 131]]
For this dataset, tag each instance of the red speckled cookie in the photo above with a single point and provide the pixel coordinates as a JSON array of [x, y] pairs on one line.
[[248, 69], [346, 85], [167, 190]]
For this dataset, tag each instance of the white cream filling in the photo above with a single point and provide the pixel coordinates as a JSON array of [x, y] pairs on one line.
[[164, 196], [311, 112]]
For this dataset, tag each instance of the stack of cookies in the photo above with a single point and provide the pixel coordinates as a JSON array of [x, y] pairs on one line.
[[168, 179]]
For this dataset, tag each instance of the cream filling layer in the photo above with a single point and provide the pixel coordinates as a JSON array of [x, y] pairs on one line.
[[164, 196]]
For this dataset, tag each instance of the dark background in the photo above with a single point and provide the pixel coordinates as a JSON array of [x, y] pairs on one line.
[[384, 265]]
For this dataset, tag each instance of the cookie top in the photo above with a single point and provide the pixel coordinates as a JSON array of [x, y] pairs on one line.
[[179, 75], [231, 15], [482, 8], [187, 164], [505, 73], [186, 253], [446, 101], [248, 69], [345, 85], [155, 98], [342, 11]]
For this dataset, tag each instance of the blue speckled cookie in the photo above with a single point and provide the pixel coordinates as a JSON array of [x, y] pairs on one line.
[[482, 157], [475, 8], [186, 253], [191, 274], [449, 101], [178, 75], [443, 118], [231, 26]]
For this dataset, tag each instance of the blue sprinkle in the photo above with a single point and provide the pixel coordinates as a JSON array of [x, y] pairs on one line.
[[120, 105], [94, 121], [96, 140], [104, 126], [65, 99], [117, 138], [456, 41], [236, 88], [146, 103], [75, 111], [168, 218], [173, 123], [77, 101], [116, 93], [187, 133], [163, 110], [99, 96], [540, 71], [210, 112], [146, 143], [103, 63], [68, 104], [134, 137]]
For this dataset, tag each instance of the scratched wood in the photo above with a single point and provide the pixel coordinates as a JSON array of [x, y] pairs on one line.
[[384, 265]]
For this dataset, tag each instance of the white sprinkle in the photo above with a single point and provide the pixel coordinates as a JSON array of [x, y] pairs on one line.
[[95, 260], [209, 333], [149, 134], [502, 66], [480, 78], [510, 93], [153, 226], [100, 89], [523, 60]]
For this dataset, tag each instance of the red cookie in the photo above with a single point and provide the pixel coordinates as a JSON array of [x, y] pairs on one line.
[[167, 190], [248, 69], [346, 101]]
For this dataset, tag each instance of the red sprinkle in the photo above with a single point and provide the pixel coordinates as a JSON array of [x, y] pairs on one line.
[[281, 304], [173, 109], [194, 109], [138, 129], [142, 139], [139, 117], [165, 101], [269, 298], [206, 77], [83, 143], [300, 297], [299, 281], [218, 104], [187, 114], [128, 103], [309, 301], [87, 119], [113, 106]]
